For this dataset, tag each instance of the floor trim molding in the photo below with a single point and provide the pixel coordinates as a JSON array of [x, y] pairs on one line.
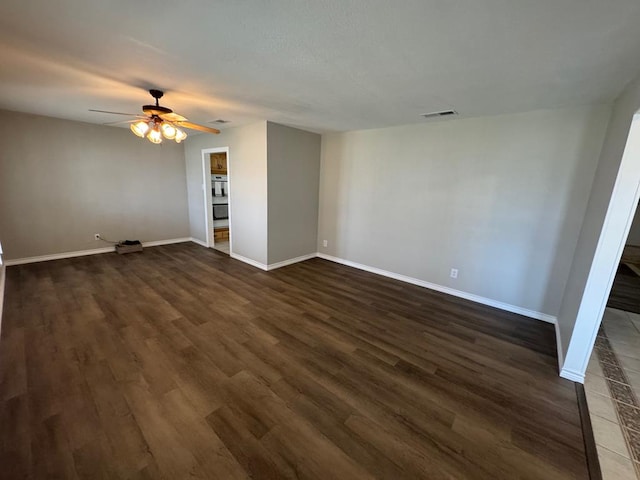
[[157, 243], [59, 256], [199, 242], [450, 291], [572, 375], [559, 348], [273, 266], [94, 251], [284, 263], [248, 261]]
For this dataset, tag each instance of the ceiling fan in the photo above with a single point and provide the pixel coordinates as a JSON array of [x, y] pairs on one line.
[[158, 122]]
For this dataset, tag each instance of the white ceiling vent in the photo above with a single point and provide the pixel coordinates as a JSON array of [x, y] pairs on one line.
[[444, 113], [219, 121]]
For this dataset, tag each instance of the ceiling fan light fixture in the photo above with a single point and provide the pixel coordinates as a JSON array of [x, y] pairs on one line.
[[140, 128], [168, 131], [160, 122], [154, 135], [180, 135]]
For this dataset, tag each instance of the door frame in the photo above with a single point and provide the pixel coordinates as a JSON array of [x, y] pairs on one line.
[[206, 190], [622, 205]]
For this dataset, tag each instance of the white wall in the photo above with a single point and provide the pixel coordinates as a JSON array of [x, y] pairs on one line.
[[293, 158], [248, 175], [63, 181], [499, 198], [596, 255]]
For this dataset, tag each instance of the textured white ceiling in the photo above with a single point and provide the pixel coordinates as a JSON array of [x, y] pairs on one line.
[[322, 65]]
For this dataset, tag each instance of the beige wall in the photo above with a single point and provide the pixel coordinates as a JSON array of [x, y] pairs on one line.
[[63, 181], [248, 175], [293, 180], [499, 198]]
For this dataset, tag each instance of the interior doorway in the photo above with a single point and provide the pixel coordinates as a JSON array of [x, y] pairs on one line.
[[217, 197], [612, 377]]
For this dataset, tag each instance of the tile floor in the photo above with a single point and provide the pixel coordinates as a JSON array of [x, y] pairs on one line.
[[222, 246], [612, 385]]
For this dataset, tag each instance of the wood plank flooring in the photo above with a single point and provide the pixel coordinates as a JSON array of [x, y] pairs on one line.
[[625, 291], [183, 363]]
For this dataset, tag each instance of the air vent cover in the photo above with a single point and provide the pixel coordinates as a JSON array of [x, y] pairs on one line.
[[444, 113], [219, 121]]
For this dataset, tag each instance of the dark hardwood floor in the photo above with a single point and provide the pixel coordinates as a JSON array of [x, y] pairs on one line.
[[183, 363], [625, 292]]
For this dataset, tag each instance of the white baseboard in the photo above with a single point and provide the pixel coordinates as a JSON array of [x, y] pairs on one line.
[[572, 375], [59, 256], [450, 291], [284, 263], [199, 242], [94, 251], [253, 263], [559, 348], [273, 266], [157, 243]]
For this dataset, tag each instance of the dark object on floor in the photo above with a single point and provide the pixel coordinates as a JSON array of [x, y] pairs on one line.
[[129, 246], [625, 293]]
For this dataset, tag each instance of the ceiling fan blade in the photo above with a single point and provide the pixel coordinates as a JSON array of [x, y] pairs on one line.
[[121, 121], [173, 117], [115, 113], [195, 126]]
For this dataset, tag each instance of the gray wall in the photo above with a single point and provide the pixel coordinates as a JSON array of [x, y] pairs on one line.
[[63, 181], [499, 198], [590, 235], [293, 158], [248, 175]]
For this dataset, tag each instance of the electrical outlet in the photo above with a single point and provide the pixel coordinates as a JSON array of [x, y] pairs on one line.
[[96, 236], [454, 273], [325, 243]]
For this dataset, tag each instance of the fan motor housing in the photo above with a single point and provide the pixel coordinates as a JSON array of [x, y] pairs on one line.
[[156, 109]]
